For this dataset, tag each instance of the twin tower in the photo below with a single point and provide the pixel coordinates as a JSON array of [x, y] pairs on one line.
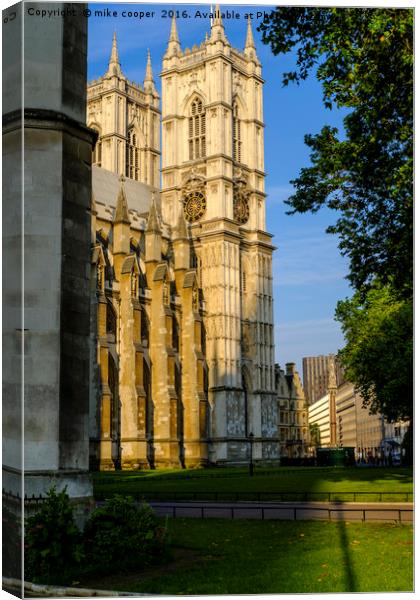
[[205, 220]]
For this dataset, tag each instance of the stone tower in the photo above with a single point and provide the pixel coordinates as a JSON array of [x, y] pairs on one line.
[[148, 398], [126, 117], [213, 173]]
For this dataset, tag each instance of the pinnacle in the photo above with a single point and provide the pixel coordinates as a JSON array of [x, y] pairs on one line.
[[153, 223], [173, 44], [180, 229], [174, 32], [149, 72], [114, 67], [217, 21], [217, 28], [121, 211], [249, 36]]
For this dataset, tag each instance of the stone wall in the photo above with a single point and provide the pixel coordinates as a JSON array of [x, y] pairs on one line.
[[56, 253]]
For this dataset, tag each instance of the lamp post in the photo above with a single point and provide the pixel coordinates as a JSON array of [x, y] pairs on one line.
[[251, 464]]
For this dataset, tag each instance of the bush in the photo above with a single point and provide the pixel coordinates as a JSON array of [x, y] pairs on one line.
[[53, 544], [121, 536], [407, 446], [12, 545]]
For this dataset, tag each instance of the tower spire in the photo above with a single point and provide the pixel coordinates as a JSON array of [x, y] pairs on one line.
[[217, 20], [217, 28], [174, 31], [249, 36], [250, 50], [149, 83], [173, 44], [114, 67]]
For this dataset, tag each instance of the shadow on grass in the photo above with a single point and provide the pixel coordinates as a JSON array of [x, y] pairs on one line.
[[298, 483], [271, 557], [402, 474], [350, 574]]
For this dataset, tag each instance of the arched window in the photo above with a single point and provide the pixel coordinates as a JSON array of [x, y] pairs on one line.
[[97, 150], [111, 321], [132, 157], [144, 327], [197, 130], [236, 131]]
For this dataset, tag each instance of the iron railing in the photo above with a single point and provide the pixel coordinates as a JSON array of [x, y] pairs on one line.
[[249, 496]]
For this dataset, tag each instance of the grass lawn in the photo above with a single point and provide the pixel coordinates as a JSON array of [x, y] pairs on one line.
[[247, 557], [293, 482]]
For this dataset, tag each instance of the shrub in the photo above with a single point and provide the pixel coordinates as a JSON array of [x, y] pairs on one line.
[[53, 544], [12, 544], [121, 536]]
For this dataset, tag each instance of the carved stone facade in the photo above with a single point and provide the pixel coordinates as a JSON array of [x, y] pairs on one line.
[[191, 267], [293, 413], [126, 117]]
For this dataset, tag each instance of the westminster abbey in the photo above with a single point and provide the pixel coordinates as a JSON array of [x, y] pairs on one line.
[[182, 353]]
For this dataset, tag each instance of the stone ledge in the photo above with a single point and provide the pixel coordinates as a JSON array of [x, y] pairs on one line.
[[19, 118], [14, 586]]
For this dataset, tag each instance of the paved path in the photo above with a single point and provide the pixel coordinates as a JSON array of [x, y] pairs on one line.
[[294, 511]]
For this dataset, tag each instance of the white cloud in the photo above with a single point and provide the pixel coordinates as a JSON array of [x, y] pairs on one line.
[[312, 337], [307, 261]]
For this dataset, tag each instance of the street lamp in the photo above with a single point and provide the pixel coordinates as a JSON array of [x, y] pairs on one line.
[[251, 464]]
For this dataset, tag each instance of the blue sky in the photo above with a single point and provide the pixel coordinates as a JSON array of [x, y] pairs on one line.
[[308, 270]]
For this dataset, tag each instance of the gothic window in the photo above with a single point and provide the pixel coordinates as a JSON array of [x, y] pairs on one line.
[[111, 321], [197, 130], [144, 327], [175, 334], [236, 130], [193, 258], [97, 151], [132, 159]]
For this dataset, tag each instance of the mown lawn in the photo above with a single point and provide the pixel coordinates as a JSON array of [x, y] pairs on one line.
[[293, 482], [247, 557]]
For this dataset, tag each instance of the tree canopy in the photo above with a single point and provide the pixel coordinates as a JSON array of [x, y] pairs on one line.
[[363, 58], [378, 355]]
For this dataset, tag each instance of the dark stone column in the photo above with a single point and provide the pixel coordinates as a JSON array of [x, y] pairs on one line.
[[55, 238]]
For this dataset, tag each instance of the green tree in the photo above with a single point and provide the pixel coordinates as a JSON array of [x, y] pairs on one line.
[[53, 544], [363, 58], [378, 356], [315, 434]]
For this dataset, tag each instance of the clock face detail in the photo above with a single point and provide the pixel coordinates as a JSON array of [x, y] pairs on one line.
[[194, 206], [240, 208]]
